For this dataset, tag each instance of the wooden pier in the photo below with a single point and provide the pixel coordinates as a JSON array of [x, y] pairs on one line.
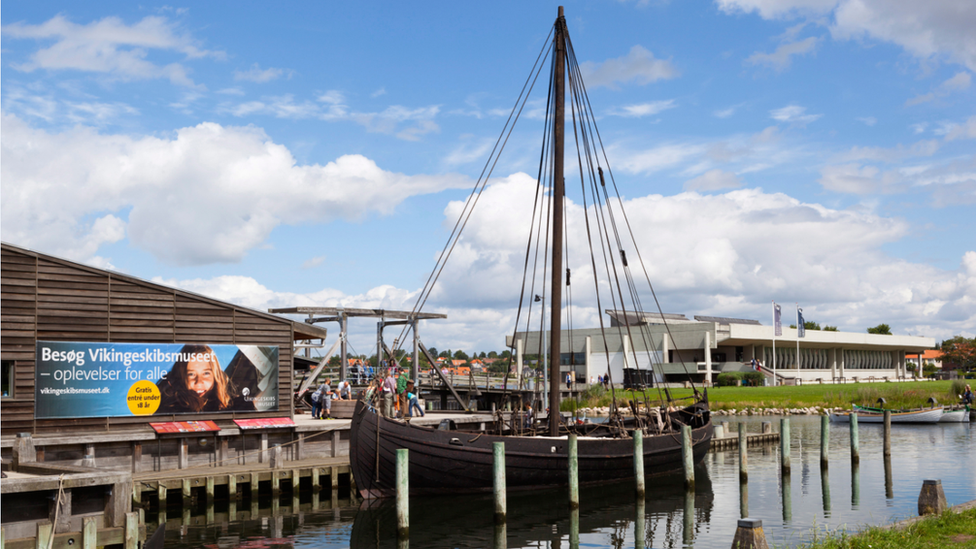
[[727, 442]]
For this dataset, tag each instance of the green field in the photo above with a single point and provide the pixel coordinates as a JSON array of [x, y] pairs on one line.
[[944, 531], [913, 394]]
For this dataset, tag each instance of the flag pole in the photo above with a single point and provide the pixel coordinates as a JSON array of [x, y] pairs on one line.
[[798, 341], [774, 342]]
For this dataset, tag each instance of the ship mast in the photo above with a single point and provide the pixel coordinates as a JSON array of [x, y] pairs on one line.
[[558, 192]]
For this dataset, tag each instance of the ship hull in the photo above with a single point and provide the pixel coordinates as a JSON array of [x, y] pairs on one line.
[[451, 462]]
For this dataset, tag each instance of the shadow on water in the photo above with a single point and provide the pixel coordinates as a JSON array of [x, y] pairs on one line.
[[669, 517]]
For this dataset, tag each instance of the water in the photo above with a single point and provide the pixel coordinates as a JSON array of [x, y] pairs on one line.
[[843, 498]]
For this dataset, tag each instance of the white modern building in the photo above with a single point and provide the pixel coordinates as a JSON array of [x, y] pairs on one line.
[[679, 349]]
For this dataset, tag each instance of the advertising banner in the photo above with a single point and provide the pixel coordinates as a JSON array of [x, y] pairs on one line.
[[74, 379]]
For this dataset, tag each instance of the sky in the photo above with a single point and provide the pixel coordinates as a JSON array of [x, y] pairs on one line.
[[811, 152]]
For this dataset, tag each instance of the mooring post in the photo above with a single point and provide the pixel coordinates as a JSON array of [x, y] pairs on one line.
[[887, 433], [232, 493], [501, 506], [743, 450], [824, 440], [743, 500], [931, 500], [889, 486], [187, 493], [688, 457], [855, 453], [787, 498], [316, 483], [767, 427], [403, 493], [573, 472], [784, 444], [719, 432], [161, 493], [855, 485], [749, 535], [255, 486], [639, 462]]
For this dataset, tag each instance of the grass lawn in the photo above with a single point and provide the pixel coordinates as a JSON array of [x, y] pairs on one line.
[[913, 394], [944, 531]]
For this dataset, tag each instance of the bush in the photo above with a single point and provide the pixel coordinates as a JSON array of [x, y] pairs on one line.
[[754, 378], [728, 379]]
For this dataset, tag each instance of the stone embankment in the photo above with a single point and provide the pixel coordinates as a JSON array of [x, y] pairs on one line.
[[812, 411]]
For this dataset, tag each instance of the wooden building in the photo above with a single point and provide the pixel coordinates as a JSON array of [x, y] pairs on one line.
[[50, 299]]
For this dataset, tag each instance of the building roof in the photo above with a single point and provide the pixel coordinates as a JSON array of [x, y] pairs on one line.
[[726, 320]]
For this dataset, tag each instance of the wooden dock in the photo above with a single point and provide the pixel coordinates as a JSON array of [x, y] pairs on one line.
[[728, 442]]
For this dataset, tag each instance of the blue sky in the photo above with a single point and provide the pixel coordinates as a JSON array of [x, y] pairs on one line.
[[811, 151]]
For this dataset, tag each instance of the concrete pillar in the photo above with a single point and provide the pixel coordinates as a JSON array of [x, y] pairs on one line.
[[931, 500], [749, 535], [841, 366], [626, 343], [708, 359], [665, 348], [833, 364]]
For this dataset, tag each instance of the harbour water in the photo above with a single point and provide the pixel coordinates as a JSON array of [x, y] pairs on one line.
[[807, 503]]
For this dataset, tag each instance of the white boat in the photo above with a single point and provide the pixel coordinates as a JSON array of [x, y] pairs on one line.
[[876, 415], [955, 416]]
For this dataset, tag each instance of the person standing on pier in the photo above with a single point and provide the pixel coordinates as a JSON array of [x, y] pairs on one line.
[[389, 389], [401, 389]]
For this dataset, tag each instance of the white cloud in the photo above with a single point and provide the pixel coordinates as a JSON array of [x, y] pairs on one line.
[[725, 113], [713, 180], [783, 56], [109, 46], [313, 262], [207, 194], [257, 74], [793, 114], [934, 29], [867, 120], [962, 131], [639, 65], [855, 179], [643, 109], [745, 246], [655, 159], [892, 154], [959, 82]]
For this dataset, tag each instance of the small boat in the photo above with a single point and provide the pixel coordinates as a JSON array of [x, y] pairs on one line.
[[876, 415], [955, 416]]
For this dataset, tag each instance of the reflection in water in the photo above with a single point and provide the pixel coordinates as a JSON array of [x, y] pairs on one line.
[[825, 491], [501, 535], [688, 529], [609, 516], [787, 499], [889, 487], [639, 524]]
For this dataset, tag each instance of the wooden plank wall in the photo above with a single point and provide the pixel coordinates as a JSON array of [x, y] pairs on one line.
[[48, 299]]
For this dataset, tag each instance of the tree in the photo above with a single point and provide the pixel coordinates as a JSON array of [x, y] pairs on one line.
[[809, 325], [493, 354], [958, 352], [445, 354], [881, 329], [433, 351], [830, 329], [505, 354], [482, 355], [460, 355], [335, 361]]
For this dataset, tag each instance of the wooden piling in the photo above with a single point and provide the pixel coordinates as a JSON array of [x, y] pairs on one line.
[[501, 535], [889, 486], [931, 500], [573, 471], [749, 535], [232, 493], [255, 486], [743, 450], [130, 539], [887, 433], [316, 483], [855, 485], [825, 490], [275, 483], [501, 506], [688, 516], [855, 453], [45, 530], [210, 491], [187, 493], [639, 462], [787, 498], [767, 427], [784, 444], [403, 493], [574, 523], [743, 499], [688, 457], [824, 440], [89, 533]]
